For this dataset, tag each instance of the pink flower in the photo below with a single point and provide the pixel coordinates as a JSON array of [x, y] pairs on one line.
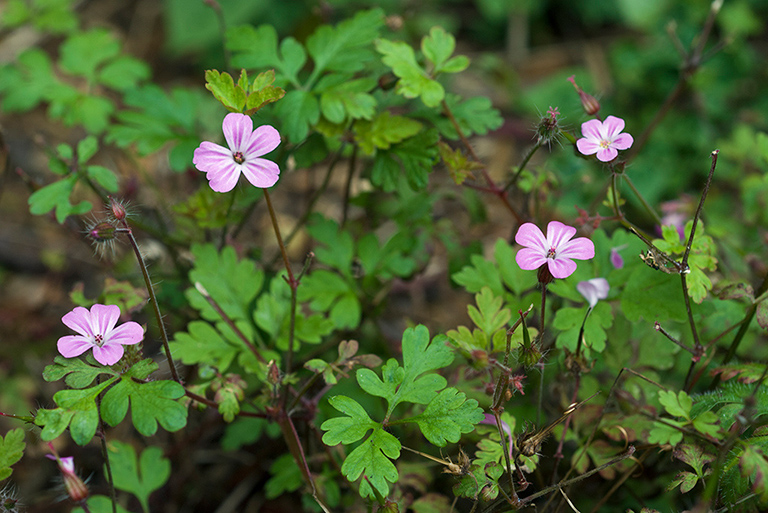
[[97, 330], [603, 138], [76, 488], [224, 165], [556, 249], [593, 290], [616, 260]]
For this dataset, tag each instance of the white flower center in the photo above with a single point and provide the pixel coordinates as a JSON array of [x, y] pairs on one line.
[[551, 253], [605, 143], [98, 340]]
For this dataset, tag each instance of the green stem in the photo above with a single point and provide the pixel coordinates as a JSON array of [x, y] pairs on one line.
[[152, 298], [646, 205], [524, 163]]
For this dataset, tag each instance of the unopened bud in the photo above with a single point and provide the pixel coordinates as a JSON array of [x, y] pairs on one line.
[[548, 127], [76, 488], [529, 356], [102, 232], [588, 102], [273, 373], [117, 209], [389, 507], [545, 277]]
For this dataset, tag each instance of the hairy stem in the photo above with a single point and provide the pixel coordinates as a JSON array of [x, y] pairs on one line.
[[152, 299]]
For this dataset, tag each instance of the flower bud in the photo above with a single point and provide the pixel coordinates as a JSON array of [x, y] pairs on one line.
[[117, 209], [588, 102], [273, 373], [76, 488], [530, 355], [548, 129], [102, 232], [545, 277]]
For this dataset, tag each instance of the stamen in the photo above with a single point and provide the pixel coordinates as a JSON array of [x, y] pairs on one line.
[[551, 253], [99, 339], [239, 157]]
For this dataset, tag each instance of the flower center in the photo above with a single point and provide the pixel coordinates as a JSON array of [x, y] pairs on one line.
[[239, 157], [99, 340], [551, 253], [604, 143]]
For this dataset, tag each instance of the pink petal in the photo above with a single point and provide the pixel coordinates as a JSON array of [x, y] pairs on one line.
[[593, 290], [558, 235], [263, 140], [237, 131], [622, 142], [612, 126], [73, 345], [127, 333], [79, 320], [225, 178], [261, 172], [104, 318], [530, 236], [561, 267], [606, 154], [587, 146], [592, 130], [616, 259], [211, 156], [581, 249], [108, 354], [529, 259]]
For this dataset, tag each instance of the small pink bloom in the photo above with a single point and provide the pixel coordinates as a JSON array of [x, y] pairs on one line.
[[556, 249], [97, 331], [593, 290], [224, 165], [616, 259], [603, 138]]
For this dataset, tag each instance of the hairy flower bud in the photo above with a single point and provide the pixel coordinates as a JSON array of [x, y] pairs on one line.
[[117, 208], [102, 232], [548, 128], [76, 488], [588, 102]]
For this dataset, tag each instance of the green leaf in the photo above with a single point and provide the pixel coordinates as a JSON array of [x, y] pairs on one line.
[[298, 111], [326, 291], [232, 284], [347, 99], [83, 53], [438, 48], [384, 130], [706, 424], [349, 429], [99, 504], [123, 74], [223, 87], [86, 148], [475, 115], [140, 477], [77, 409], [11, 451], [27, 83], [202, 343], [346, 46], [459, 165], [372, 459], [263, 92], [151, 402], [286, 477], [253, 48], [677, 405], [652, 295], [664, 434], [338, 250], [413, 80], [406, 383], [103, 176], [76, 372], [56, 196], [490, 315], [414, 156], [754, 466], [447, 416], [481, 273], [746, 372]]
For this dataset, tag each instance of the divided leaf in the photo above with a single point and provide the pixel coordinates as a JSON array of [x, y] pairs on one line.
[[140, 477], [11, 451]]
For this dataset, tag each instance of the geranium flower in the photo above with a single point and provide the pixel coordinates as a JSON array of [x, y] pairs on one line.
[[603, 138], [556, 249], [224, 165], [593, 290], [97, 331]]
